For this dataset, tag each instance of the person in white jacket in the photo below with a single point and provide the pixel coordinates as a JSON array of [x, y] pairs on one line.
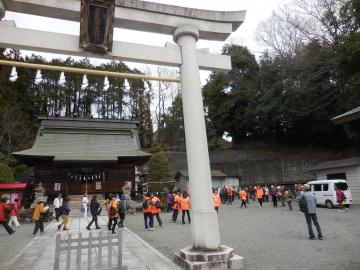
[[85, 202], [58, 202]]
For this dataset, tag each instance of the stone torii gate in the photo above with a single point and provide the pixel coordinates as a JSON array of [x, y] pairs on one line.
[[187, 26]]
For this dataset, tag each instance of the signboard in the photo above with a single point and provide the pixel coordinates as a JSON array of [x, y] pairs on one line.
[[98, 185], [57, 186]]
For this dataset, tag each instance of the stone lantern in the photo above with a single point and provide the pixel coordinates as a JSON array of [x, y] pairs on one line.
[[39, 192]]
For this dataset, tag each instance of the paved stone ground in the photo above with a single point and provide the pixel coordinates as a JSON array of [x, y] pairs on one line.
[[23, 251], [270, 238]]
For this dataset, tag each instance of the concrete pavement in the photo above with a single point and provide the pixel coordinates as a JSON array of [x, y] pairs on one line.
[[39, 253]]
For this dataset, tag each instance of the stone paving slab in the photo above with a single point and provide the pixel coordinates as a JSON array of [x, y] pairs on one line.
[[39, 253]]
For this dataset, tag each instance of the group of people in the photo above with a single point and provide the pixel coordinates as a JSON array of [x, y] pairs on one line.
[[259, 193], [175, 201]]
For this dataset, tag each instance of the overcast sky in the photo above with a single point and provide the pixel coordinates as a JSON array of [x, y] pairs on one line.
[[257, 10]]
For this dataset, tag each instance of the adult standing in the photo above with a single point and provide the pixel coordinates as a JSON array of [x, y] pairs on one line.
[[273, 192], [85, 202], [95, 211], [217, 200], [176, 206], [169, 200], [39, 210], [310, 213], [14, 213], [58, 202], [340, 197], [185, 207], [259, 194], [157, 208], [4, 207], [122, 209], [65, 211], [148, 212], [289, 198], [266, 194], [113, 213], [243, 197]]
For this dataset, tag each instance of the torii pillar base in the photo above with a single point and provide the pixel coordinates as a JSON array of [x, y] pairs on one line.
[[222, 259]]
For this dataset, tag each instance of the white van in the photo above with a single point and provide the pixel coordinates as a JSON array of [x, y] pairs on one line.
[[325, 192]]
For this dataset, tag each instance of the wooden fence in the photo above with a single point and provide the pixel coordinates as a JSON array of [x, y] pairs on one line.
[[94, 244]]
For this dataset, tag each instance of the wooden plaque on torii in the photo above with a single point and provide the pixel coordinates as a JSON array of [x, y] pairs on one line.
[[97, 25]]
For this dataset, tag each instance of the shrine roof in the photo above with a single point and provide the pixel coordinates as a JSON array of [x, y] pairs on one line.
[[84, 139]]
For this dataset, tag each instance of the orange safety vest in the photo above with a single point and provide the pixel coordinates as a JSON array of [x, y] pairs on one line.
[[177, 201], [217, 200], [259, 193], [113, 205], [185, 203], [150, 207], [155, 210], [243, 195]]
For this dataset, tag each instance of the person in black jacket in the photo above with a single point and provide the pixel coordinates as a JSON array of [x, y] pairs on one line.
[[65, 211], [95, 211]]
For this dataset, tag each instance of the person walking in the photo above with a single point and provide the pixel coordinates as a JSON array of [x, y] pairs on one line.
[[157, 208], [4, 209], [169, 200], [289, 197], [340, 197], [266, 194], [243, 197], [113, 213], [217, 200], [185, 207], [148, 212], [273, 195], [176, 206], [39, 210], [310, 212], [259, 194], [95, 210], [14, 213], [64, 212], [122, 209], [58, 202], [281, 195], [85, 202]]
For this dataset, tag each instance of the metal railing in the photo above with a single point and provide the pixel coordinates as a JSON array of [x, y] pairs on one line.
[[94, 244]]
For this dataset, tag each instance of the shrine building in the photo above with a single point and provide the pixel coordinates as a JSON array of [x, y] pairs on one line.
[[83, 155]]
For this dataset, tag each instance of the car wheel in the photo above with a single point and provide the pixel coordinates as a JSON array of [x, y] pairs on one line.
[[329, 204]]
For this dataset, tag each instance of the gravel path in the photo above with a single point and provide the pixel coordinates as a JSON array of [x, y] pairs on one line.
[[270, 238]]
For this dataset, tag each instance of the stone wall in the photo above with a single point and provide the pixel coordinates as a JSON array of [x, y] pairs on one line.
[[255, 167]]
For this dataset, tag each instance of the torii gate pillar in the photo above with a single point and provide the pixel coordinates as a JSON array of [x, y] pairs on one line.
[[206, 251]]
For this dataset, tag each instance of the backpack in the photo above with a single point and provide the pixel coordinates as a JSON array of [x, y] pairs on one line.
[[158, 204], [61, 210], [145, 204], [303, 205]]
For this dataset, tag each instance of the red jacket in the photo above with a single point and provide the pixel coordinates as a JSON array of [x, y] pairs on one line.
[[3, 207]]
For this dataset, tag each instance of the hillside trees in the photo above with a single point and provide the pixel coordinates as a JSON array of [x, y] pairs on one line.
[[160, 173], [22, 101], [290, 94]]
